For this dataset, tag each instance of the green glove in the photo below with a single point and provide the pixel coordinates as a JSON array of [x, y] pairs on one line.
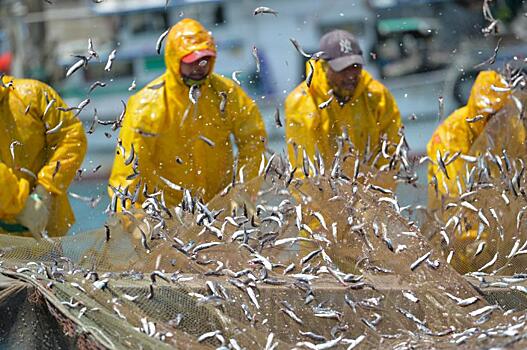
[[35, 214]]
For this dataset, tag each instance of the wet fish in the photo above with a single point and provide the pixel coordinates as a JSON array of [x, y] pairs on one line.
[[277, 121], [234, 77], [298, 48], [109, 63], [325, 104], [55, 129], [256, 58], [159, 42], [309, 77], [264, 10], [418, 262]]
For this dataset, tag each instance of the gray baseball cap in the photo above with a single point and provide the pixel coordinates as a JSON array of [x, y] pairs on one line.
[[341, 49]]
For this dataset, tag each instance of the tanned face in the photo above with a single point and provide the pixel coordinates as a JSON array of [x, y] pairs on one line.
[[344, 82], [196, 70]]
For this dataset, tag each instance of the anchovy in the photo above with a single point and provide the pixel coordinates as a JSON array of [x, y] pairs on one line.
[[170, 184], [309, 77], [204, 246], [82, 62], [441, 164], [95, 85], [313, 336], [418, 262], [291, 314], [325, 104], [159, 42], [262, 10], [91, 50], [298, 48], [207, 141], [410, 296], [133, 86], [475, 119], [462, 302], [480, 248], [277, 121], [56, 170], [310, 256], [48, 107], [223, 102], [111, 58], [234, 77], [256, 59], [131, 156]]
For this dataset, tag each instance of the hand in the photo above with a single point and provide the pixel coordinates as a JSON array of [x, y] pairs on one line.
[[35, 214]]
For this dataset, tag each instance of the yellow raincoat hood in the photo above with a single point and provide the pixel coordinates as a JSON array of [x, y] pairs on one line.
[[484, 99], [185, 37], [185, 143]]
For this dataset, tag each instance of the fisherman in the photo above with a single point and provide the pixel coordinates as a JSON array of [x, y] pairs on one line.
[[486, 125], [178, 128], [341, 98], [41, 147], [460, 130]]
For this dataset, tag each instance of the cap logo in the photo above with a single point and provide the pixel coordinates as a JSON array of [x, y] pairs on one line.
[[345, 46]]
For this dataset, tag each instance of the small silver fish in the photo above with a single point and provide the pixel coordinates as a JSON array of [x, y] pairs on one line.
[[109, 63], [234, 77], [325, 104], [277, 121], [256, 59], [309, 77], [262, 10], [207, 141], [418, 262], [133, 86], [223, 102], [298, 48], [159, 42], [475, 119]]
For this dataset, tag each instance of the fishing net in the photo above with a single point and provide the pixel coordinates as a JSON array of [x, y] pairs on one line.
[[320, 262]]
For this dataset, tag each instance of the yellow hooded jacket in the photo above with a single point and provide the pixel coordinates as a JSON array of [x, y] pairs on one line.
[[167, 130], [456, 134], [371, 113], [37, 151]]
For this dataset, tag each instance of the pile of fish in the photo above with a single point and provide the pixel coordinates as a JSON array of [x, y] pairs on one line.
[[319, 262]]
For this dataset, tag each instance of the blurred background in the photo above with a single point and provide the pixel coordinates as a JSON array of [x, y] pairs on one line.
[[422, 50]]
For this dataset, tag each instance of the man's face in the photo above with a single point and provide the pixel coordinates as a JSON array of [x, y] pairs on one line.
[[344, 82], [196, 70]]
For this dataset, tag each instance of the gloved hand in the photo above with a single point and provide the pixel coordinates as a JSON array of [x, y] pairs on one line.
[[35, 214]]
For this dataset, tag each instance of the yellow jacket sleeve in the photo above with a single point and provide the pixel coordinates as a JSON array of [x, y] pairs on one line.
[[13, 192], [136, 130], [67, 146], [450, 137], [249, 134], [389, 117], [301, 124]]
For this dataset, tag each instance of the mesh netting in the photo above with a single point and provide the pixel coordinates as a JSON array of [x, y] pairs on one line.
[[315, 263]]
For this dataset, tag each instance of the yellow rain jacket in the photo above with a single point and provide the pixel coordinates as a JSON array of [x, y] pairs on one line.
[[456, 134], [37, 151], [167, 130], [371, 113]]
